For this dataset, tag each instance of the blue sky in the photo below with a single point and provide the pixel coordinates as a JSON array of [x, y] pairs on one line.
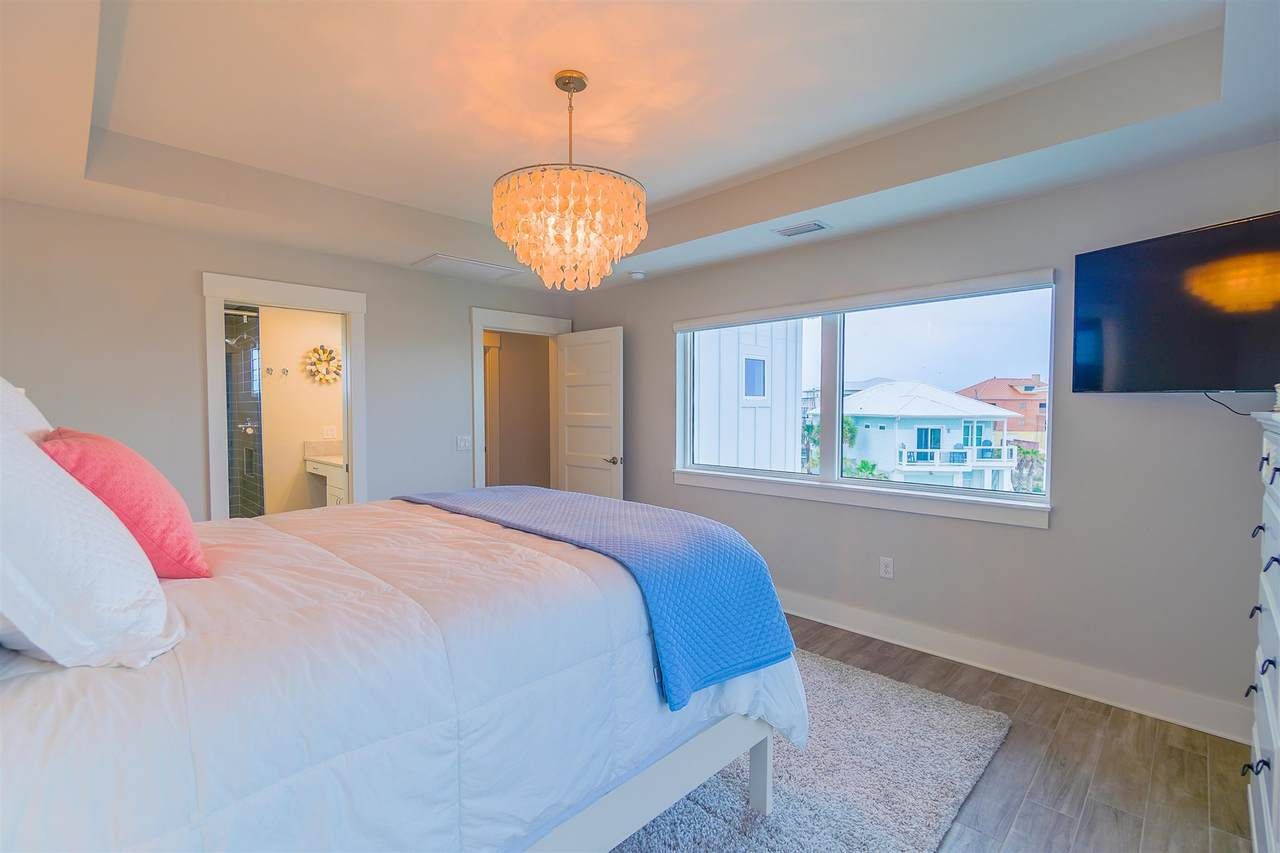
[[950, 344]]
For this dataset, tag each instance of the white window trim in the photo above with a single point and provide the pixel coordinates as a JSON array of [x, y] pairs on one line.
[[759, 354], [828, 486]]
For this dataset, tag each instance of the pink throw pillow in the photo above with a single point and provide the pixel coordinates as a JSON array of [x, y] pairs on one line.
[[140, 496]]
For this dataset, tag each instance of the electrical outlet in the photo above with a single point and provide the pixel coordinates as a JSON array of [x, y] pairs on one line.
[[886, 567], [464, 442], [329, 433]]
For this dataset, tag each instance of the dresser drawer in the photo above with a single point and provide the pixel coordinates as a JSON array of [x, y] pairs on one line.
[[1270, 464], [1269, 544], [1259, 818], [1264, 740]]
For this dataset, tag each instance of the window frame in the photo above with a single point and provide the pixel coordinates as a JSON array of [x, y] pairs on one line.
[[761, 355], [1021, 509]]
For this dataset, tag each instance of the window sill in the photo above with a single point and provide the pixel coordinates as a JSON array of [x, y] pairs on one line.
[[969, 507]]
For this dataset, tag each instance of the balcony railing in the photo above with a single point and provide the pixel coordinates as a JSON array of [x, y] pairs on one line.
[[958, 458]]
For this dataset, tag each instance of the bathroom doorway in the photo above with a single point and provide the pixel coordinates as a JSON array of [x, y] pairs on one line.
[[286, 446], [285, 404]]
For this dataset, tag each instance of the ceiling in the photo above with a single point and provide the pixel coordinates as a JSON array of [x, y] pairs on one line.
[[375, 128], [375, 98]]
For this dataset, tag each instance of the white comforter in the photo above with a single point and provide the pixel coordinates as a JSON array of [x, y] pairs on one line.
[[380, 676]]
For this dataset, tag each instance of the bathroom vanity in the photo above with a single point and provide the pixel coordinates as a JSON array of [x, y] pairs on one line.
[[325, 459]]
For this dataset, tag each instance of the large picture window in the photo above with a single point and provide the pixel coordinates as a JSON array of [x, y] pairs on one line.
[[941, 391]]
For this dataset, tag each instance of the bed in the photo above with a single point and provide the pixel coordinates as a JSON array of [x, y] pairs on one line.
[[377, 676]]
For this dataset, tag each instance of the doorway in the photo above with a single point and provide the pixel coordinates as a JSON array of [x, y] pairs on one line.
[[286, 403], [584, 396], [286, 444], [517, 409]]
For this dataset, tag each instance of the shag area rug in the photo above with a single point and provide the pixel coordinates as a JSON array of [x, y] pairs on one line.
[[887, 768]]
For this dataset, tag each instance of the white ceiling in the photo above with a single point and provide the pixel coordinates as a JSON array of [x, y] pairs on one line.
[[374, 129], [424, 104]]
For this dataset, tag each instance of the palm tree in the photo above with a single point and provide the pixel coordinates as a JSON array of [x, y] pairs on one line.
[[867, 470]]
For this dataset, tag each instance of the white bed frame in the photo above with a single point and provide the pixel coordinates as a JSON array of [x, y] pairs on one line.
[[612, 818]]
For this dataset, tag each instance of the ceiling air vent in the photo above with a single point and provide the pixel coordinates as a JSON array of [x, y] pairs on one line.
[[802, 228], [468, 268]]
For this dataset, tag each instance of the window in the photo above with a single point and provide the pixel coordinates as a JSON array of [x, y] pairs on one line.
[[934, 395], [755, 394], [947, 374], [753, 377]]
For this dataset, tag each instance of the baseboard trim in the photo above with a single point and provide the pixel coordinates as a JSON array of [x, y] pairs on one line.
[[1232, 720]]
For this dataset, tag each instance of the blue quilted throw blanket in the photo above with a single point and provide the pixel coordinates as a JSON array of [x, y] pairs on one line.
[[712, 606]]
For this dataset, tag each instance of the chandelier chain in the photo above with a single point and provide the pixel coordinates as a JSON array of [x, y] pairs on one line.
[[571, 128]]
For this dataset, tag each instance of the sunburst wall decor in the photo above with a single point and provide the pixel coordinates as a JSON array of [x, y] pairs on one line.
[[324, 365]]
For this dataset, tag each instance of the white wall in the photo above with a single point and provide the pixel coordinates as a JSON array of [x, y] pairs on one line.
[[102, 320], [1146, 570]]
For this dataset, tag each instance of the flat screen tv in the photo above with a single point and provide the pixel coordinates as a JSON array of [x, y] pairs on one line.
[[1196, 311]]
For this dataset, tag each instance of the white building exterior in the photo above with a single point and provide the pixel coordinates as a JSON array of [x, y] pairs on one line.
[[914, 432], [746, 396]]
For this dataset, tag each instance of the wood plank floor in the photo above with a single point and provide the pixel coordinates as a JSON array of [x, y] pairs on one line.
[[1073, 774]]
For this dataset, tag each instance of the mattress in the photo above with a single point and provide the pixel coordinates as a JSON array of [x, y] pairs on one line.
[[376, 676]]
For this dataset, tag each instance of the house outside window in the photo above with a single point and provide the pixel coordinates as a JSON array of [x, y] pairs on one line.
[[753, 378], [931, 395]]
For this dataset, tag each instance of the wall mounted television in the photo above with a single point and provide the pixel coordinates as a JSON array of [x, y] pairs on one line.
[[1195, 311]]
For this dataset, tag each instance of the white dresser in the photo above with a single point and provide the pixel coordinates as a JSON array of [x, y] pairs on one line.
[[1264, 792]]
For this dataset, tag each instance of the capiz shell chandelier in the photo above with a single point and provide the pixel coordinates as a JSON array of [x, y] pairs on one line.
[[569, 223]]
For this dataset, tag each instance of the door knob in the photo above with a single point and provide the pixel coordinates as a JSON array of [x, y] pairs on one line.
[[612, 460]]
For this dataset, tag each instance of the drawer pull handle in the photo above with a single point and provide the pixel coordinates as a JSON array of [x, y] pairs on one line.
[[1271, 561], [1269, 663], [1274, 471], [1252, 688], [1256, 768], [1257, 530], [1262, 463], [1255, 610]]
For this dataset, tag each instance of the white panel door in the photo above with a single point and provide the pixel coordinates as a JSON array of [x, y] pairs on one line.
[[589, 399]]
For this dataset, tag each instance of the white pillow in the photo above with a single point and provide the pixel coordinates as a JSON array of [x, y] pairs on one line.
[[20, 413], [74, 583]]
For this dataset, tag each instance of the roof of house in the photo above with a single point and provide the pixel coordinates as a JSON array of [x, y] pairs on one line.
[[899, 399], [1007, 387]]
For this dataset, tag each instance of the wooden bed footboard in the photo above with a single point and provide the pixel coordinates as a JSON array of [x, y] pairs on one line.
[[612, 818]]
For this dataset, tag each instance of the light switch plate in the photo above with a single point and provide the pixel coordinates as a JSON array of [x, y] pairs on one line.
[[464, 442], [329, 433]]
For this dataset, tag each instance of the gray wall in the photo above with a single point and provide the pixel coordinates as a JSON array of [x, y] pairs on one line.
[[102, 320], [1147, 568]]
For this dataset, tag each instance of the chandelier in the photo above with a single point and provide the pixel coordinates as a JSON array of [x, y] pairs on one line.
[[569, 223]]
